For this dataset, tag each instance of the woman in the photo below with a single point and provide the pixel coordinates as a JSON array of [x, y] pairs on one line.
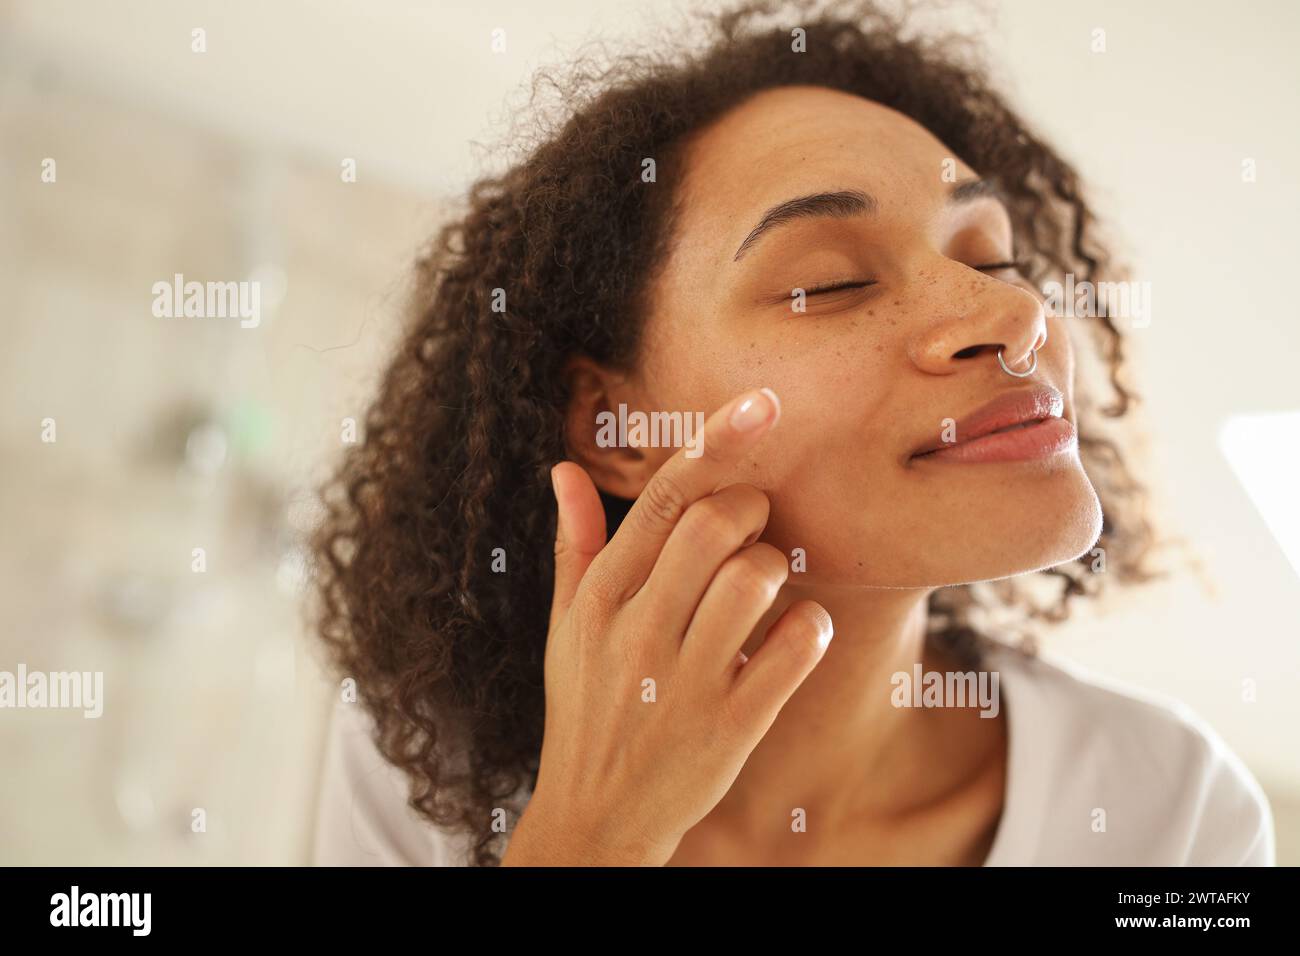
[[828, 238]]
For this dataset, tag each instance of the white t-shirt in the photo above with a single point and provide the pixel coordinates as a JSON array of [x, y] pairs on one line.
[[1098, 774]]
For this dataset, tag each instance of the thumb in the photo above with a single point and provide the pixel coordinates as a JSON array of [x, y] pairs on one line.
[[579, 532]]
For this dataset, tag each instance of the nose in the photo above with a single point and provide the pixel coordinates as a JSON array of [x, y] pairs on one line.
[[974, 321]]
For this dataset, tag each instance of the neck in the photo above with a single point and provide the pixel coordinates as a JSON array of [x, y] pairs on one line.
[[839, 746]]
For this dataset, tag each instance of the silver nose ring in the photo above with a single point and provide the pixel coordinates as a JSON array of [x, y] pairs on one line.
[[1033, 364]]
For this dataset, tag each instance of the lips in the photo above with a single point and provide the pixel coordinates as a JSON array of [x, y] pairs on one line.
[[1020, 424]]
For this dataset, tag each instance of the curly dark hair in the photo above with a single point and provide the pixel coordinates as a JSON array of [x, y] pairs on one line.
[[469, 418]]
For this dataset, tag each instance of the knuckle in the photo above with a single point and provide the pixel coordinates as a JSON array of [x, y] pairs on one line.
[[770, 559], [588, 613], [753, 576], [747, 585], [709, 520], [664, 500], [601, 590]]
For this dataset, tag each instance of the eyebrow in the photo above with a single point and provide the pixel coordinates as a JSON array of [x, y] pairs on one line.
[[852, 202], [837, 205]]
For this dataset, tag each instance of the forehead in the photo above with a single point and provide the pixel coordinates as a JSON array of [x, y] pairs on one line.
[[796, 140]]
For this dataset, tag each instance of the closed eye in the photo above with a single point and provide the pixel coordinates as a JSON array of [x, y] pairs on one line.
[[1019, 265], [840, 286]]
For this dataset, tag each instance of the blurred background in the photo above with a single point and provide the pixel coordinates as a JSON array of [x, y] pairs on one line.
[[174, 435]]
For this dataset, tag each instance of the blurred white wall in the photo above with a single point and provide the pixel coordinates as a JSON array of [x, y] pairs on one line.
[[227, 163]]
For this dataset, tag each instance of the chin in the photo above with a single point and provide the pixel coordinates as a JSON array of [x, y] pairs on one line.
[[1043, 528], [990, 529], [1004, 532]]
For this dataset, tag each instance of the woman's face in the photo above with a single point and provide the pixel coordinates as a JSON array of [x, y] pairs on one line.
[[870, 374]]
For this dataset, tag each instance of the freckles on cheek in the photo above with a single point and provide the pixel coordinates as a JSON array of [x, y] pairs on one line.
[[868, 346], [827, 399]]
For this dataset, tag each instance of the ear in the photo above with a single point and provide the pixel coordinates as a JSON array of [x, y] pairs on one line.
[[595, 393]]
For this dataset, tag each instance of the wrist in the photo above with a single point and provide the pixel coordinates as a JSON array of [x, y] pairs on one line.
[[545, 838]]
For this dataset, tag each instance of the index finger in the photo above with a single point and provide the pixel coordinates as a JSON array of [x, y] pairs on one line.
[[728, 435]]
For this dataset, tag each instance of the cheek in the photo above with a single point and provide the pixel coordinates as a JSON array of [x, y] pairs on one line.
[[834, 405], [836, 377], [828, 457], [833, 510], [832, 366]]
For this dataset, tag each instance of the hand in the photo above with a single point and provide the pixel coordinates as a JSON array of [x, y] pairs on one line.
[[671, 599]]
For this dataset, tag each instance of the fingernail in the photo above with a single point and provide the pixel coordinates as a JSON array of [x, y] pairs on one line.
[[755, 409]]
